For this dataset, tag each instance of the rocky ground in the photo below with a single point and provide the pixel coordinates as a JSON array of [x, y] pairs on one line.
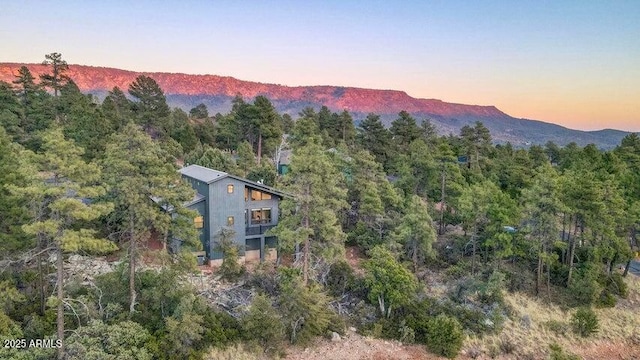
[[354, 346]]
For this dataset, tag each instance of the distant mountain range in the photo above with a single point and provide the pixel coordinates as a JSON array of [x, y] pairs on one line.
[[216, 92]]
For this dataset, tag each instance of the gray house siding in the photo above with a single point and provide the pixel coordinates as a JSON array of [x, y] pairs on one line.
[[224, 206], [219, 205]]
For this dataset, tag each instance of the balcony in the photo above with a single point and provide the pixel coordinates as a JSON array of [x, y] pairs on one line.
[[258, 229]]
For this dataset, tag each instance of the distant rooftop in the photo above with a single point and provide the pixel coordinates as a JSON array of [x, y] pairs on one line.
[[202, 173], [285, 157]]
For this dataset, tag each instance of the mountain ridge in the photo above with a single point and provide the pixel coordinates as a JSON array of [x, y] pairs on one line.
[[217, 92]]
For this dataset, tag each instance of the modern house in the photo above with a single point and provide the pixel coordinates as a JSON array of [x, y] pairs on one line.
[[227, 201]]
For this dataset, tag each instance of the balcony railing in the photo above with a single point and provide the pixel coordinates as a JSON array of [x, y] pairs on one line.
[[258, 229]]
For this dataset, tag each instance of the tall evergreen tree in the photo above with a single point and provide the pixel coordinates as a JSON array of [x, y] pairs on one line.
[[57, 78], [137, 171], [311, 217], [415, 231], [542, 206], [150, 105], [62, 210], [199, 112], [477, 142], [15, 170], [82, 120], [117, 109], [267, 125], [404, 130], [37, 107], [10, 111], [375, 138]]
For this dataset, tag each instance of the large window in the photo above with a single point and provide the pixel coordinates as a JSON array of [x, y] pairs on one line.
[[260, 216], [257, 195], [198, 222]]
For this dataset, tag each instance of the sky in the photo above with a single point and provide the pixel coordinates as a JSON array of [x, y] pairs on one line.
[[574, 63]]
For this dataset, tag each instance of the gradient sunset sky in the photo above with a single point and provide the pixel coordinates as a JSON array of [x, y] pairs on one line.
[[574, 63]]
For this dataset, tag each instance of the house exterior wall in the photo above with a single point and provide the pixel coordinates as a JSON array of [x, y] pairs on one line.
[[218, 205], [221, 207]]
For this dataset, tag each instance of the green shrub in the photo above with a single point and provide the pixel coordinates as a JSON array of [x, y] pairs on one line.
[[471, 319], [585, 287], [491, 291], [585, 322], [557, 327], [231, 269], [406, 334], [445, 336], [341, 278], [417, 316], [263, 325], [557, 353], [305, 310], [457, 271], [607, 299], [613, 286]]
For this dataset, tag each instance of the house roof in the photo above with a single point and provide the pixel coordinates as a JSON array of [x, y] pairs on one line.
[[196, 199], [285, 157], [202, 173], [158, 200], [209, 176]]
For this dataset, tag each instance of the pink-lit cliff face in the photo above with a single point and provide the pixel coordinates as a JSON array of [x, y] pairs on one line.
[[99, 79]]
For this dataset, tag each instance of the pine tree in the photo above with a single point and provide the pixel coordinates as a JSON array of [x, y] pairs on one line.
[[267, 125], [312, 217], [404, 131], [542, 206], [116, 109], [138, 172], [57, 79], [10, 111], [82, 120], [61, 209], [150, 105], [375, 138], [15, 170], [37, 108], [416, 231]]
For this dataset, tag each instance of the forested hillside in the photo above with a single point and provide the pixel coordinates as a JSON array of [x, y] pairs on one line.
[[450, 233]]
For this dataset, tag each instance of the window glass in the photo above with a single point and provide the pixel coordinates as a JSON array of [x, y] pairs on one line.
[[257, 195], [230, 221], [260, 216], [230, 189], [198, 222], [266, 215], [256, 216]]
